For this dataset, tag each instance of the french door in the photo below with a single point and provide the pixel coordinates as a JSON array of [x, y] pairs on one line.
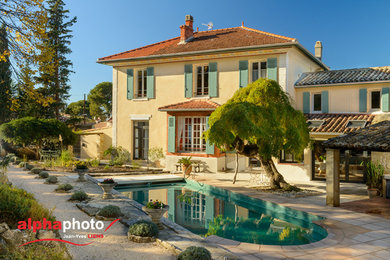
[[141, 140]]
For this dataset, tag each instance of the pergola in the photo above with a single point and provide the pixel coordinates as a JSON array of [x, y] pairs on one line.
[[372, 138]]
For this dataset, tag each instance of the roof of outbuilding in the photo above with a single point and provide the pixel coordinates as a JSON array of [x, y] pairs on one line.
[[373, 138], [192, 105], [337, 123], [205, 40], [344, 76]]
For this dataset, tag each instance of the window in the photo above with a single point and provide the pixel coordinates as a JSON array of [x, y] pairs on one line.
[[315, 123], [141, 84], [259, 69], [317, 102], [202, 80], [190, 133], [375, 99], [356, 123], [290, 158]]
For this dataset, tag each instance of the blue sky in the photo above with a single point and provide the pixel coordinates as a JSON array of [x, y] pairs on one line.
[[354, 33]]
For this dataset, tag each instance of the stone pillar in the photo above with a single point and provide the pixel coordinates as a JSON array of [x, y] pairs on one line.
[[332, 177]]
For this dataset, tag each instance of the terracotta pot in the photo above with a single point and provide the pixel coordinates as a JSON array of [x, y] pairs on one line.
[[187, 169], [107, 189], [372, 193], [81, 173], [156, 214]]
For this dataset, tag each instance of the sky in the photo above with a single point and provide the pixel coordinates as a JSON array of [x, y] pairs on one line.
[[354, 34]]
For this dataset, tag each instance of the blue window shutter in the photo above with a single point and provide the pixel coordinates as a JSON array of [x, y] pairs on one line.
[[150, 82], [363, 100], [306, 102], [188, 80], [130, 84], [272, 69], [209, 147], [171, 203], [325, 101], [243, 68], [171, 134], [213, 79], [385, 99]]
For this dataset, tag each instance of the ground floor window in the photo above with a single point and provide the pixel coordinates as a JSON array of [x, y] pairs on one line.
[[290, 158], [190, 133]]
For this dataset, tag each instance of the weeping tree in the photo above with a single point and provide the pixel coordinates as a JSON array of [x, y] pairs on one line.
[[258, 122]]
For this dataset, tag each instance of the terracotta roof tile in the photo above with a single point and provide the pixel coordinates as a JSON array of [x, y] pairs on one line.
[[337, 123], [192, 105], [205, 40]]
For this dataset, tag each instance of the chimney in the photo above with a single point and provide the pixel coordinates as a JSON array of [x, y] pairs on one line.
[[186, 30], [318, 50]]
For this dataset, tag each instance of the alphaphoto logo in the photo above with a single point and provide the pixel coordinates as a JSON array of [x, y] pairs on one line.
[[65, 226]]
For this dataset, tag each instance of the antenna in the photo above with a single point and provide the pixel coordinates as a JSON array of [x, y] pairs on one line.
[[209, 25]]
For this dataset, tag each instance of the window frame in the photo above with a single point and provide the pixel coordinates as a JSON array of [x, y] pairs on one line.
[[144, 84], [195, 80], [370, 99], [258, 61], [181, 147], [312, 105], [282, 158]]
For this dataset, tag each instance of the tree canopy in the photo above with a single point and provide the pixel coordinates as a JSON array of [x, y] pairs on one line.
[[259, 121], [100, 99], [75, 109], [5, 78]]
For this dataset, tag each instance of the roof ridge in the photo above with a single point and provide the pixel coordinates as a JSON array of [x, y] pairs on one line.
[[327, 71], [140, 48], [268, 33], [221, 29]]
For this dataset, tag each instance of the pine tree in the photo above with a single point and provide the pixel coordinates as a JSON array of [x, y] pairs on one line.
[[54, 66], [5, 78]]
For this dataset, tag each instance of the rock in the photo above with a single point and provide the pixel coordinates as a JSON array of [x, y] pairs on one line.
[[90, 210], [44, 234], [15, 237], [3, 227], [3, 247]]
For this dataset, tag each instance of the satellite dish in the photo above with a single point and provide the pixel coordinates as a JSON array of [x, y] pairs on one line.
[[209, 25]]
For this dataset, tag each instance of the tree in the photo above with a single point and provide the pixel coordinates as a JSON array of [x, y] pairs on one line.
[[30, 131], [75, 109], [54, 66], [100, 99], [5, 78], [259, 122]]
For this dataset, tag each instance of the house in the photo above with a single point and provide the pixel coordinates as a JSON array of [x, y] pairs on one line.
[[163, 93], [94, 141]]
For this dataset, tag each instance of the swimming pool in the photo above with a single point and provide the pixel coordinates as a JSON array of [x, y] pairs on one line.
[[207, 210]]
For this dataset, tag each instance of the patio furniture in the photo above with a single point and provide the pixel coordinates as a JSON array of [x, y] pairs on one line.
[[49, 154]]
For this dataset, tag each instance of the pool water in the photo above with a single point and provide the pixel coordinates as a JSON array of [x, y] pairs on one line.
[[207, 210]]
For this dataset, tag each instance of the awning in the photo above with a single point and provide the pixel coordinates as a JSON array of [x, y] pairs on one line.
[[192, 105]]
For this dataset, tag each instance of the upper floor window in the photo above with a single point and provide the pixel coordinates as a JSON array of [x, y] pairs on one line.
[[141, 87], [259, 69], [375, 100], [317, 102], [202, 80]]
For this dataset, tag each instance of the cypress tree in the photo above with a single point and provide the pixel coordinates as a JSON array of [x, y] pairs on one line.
[[5, 78]]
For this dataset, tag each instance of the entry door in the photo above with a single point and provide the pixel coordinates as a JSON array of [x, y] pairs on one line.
[[141, 140]]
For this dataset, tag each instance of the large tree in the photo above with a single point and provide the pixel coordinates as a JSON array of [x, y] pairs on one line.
[[100, 100], [258, 122], [76, 109], [54, 65], [5, 78]]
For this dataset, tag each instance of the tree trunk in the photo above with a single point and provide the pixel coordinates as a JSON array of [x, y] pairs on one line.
[[236, 170], [276, 179]]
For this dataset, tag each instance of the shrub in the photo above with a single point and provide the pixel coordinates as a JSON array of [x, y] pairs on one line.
[[195, 253], [29, 166], [143, 228], [155, 204], [110, 211], [22, 164], [79, 195], [94, 162], [155, 154], [80, 165], [107, 167], [43, 174], [18, 205], [66, 157], [119, 155], [36, 170], [64, 187], [26, 152], [52, 180]]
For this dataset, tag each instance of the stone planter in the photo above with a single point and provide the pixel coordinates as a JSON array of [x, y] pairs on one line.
[[81, 173], [372, 193], [107, 189], [139, 239], [187, 169], [156, 214]]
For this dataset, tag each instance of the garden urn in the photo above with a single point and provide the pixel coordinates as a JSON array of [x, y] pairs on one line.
[[107, 189], [187, 169], [81, 173], [156, 214]]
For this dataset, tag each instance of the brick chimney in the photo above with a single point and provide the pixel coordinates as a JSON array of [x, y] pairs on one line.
[[318, 50], [187, 30]]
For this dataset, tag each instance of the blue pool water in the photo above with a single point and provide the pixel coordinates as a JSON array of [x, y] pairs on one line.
[[208, 210]]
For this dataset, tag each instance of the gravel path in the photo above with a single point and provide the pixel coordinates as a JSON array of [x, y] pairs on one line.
[[114, 245]]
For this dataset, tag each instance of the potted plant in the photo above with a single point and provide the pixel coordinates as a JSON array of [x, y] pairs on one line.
[[81, 168], [375, 173], [107, 186], [155, 210], [186, 165]]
